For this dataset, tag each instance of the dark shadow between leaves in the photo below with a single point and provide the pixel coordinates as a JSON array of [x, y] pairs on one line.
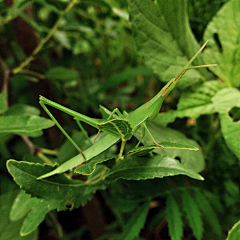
[[234, 114]]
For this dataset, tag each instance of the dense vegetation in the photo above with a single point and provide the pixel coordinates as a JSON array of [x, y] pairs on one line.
[[118, 184]]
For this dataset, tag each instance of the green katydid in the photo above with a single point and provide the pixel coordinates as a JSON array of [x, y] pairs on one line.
[[115, 127]]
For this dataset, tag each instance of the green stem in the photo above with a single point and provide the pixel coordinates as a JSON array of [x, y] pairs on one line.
[[44, 40], [44, 158], [32, 73], [49, 151]]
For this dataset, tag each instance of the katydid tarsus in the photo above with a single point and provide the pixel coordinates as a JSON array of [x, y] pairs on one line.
[[146, 112]]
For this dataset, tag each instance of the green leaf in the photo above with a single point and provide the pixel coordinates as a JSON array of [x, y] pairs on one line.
[[155, 38], [62, 74], [35, 216], [22, 110], [223, 46], [175, 224], [117, 127], [62, 38], [143, 150], [193, 103], [16, 123], [121, 201], [234, 233], [88, 167], [21, 206], [58, 188], [8, 228], [35, 209], [223, 101], [149, 168], [175, 14], [191, 159], [135, 223], [208, 212], [3, 101], [126, 75], [193, 214]]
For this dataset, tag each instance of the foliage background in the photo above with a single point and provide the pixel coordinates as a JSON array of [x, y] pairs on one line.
[[92, 59]]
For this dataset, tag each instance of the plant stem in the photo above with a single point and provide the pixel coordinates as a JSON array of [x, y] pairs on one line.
[[32, 73], [44, 158], [44, 40], [29, 144]]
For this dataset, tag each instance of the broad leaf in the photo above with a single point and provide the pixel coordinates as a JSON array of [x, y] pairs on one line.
[[22, 110], [135, 223], [37, 215], [155, 38], [34, 209], [126, 75], [224, 101], [62, 74], [175, 14], [148, 168], [234, 233], [191, 159], [175, 224], [193, 214], [11, 229], [121, 200], [59, 187], [16, 123], [193, 103], [22, 205], [223, 47]]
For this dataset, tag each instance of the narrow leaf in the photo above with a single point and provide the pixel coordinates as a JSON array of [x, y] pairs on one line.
[[175, 224], [208, 212], [135, 223], [149, 168], [193, 214]]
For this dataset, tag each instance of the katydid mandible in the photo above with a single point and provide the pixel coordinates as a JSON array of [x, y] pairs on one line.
[[146, 112]]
